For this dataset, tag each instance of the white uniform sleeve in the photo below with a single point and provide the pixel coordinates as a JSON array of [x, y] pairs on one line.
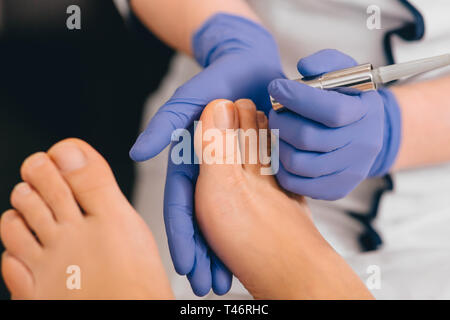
[[436, 39]]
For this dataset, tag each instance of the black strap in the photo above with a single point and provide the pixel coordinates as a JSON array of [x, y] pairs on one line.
[[412, 31], [369, 239]]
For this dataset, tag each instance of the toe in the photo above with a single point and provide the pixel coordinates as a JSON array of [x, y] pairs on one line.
[[248, 135], [89, 177], [269, 164], [34, 210], [17, 276], [216, 140], [42, 174], [262, 121], [18, 238], [264, 139]]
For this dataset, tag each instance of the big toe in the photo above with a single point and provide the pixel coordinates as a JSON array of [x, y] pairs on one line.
[[216, 140], [90, 178]]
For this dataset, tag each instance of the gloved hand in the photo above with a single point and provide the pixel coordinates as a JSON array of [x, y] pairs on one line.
[[240, 59], [188, 249], [331, 140]]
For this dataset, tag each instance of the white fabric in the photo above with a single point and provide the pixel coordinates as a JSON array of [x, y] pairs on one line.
[[436, 40], [435, 14], [414, 220]]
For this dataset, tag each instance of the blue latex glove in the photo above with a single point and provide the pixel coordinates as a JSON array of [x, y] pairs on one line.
[[188, 249], [331, 140], [240, 59]]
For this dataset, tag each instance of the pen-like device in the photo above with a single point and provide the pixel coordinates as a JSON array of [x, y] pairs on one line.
[[364, 77]]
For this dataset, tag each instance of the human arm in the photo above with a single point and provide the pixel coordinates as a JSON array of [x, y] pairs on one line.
[[175, 21], [425, 109]]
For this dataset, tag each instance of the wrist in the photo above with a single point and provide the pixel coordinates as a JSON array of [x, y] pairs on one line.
[[391, 135], [223, 33]]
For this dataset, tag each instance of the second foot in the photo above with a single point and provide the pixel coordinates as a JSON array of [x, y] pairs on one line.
[[73, 235]]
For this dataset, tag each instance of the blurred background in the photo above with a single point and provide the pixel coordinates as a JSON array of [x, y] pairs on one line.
[[58, 83]]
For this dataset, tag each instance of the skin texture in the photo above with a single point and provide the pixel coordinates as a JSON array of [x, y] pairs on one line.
[[266, 238], [71, 202], [174, 21], [425, 111]]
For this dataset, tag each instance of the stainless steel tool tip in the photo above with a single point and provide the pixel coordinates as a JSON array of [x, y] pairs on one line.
[[411, 68]]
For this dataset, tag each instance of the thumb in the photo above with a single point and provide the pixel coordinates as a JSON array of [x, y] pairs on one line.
[[175, 114], [182, 109], [324, 61]]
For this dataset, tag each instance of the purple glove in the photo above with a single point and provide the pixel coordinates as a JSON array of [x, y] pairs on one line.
[[240, 59], [331, 140], [187, 246]]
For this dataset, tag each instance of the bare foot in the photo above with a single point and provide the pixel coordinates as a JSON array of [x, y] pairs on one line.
[[71, 212], [264, 236]]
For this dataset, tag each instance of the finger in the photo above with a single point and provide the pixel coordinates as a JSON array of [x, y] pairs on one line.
[[171, 116], [179, 112], [307, 135], [221, 276], [186, 105], [324, 61], [179, 215], [313, 164], [200, 276], [331, 108], [329, 187]]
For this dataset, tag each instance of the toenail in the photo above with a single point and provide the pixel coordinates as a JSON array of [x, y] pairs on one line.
[[36, 160], [245, 104], [224, 115], [9, 215], [68, 157], [23, 188], [261, 117]]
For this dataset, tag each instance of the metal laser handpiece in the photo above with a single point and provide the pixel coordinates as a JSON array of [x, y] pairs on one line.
[[364, 77]]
